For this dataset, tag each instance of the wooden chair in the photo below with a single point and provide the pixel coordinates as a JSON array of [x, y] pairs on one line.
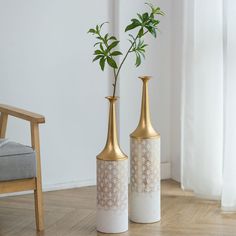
[[34, 183]]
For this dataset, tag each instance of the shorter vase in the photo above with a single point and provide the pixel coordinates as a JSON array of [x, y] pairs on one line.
[[112, 182], [145, 166]]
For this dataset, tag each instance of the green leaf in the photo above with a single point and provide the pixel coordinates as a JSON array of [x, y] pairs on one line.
[[143, 55], [149, 28], [112, 45], [156, 22], [140, 33], [135, 23], [102, 63], [96, 44], [141, 49], [97, 52], [130, 27], [149, 4], [130, 41], [130, 35], [97, 29], [116, 53], [152, 30], [138, 60], [145, 16], [93, 31], [106, 37], [103, 24], [140, 17], [111, 62], [156, 11], [161, 13], [97, 57], [112, 38], [101, 47], [144, 45], [154, 33]]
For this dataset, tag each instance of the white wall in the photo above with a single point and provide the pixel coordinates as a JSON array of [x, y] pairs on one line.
[[45, 66]]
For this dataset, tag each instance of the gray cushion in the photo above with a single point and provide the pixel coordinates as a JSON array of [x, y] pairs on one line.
[[17, 162]]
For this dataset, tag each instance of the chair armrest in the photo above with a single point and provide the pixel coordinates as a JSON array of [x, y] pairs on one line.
[[22, 114]]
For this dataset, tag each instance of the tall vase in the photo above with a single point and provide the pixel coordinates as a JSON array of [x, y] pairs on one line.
[[145, 166], [112, 181]]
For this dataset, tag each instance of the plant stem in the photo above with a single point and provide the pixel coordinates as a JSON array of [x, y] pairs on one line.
[[121, 64]]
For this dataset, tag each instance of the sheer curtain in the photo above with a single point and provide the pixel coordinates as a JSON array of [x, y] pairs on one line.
[[209, 100], [229, 167]]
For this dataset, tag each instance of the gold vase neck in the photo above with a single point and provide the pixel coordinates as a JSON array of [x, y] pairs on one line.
[[145, 128], [112, 151], [112, 128]]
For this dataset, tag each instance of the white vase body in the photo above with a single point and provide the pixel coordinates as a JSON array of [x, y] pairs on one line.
[[145, 180], [145, 166], [112, 196], [112, 181]]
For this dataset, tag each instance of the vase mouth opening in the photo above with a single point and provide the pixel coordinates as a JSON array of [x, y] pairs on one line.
[[112, 98], [145, 77]]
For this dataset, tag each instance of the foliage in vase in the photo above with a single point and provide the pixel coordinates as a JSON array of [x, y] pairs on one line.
[[106, 46]]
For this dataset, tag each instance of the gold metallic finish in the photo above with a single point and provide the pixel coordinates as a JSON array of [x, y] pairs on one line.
[[112, 151], [145, 129]]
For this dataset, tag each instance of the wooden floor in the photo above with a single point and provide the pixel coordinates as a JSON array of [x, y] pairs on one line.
[[72, 212]]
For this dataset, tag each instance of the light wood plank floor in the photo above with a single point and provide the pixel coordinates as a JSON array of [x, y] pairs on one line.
[[72, 212]]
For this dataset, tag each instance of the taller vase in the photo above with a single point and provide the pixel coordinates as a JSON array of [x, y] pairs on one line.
[[145, 166], [112, 181]]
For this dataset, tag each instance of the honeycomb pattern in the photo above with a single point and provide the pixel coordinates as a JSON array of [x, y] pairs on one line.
[[112, 184], [145, 165]]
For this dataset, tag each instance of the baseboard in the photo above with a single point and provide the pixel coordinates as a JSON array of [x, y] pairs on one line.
[[69, 185], [165, 174]]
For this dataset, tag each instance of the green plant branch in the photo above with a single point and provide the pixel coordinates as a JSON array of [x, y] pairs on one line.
[[146, 23]]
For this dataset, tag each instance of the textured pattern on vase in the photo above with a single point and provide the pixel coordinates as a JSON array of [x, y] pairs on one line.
[[145, 165], [112, 185]]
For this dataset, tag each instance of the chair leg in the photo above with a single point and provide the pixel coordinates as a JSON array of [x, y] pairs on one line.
[[38, 190], [39, 214]]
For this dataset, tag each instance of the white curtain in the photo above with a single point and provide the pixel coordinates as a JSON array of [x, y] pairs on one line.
[[209, 100], [229, 167]]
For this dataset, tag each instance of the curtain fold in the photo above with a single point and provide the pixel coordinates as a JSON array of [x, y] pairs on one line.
[[202, 129], [208, 152], [229, 167]]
